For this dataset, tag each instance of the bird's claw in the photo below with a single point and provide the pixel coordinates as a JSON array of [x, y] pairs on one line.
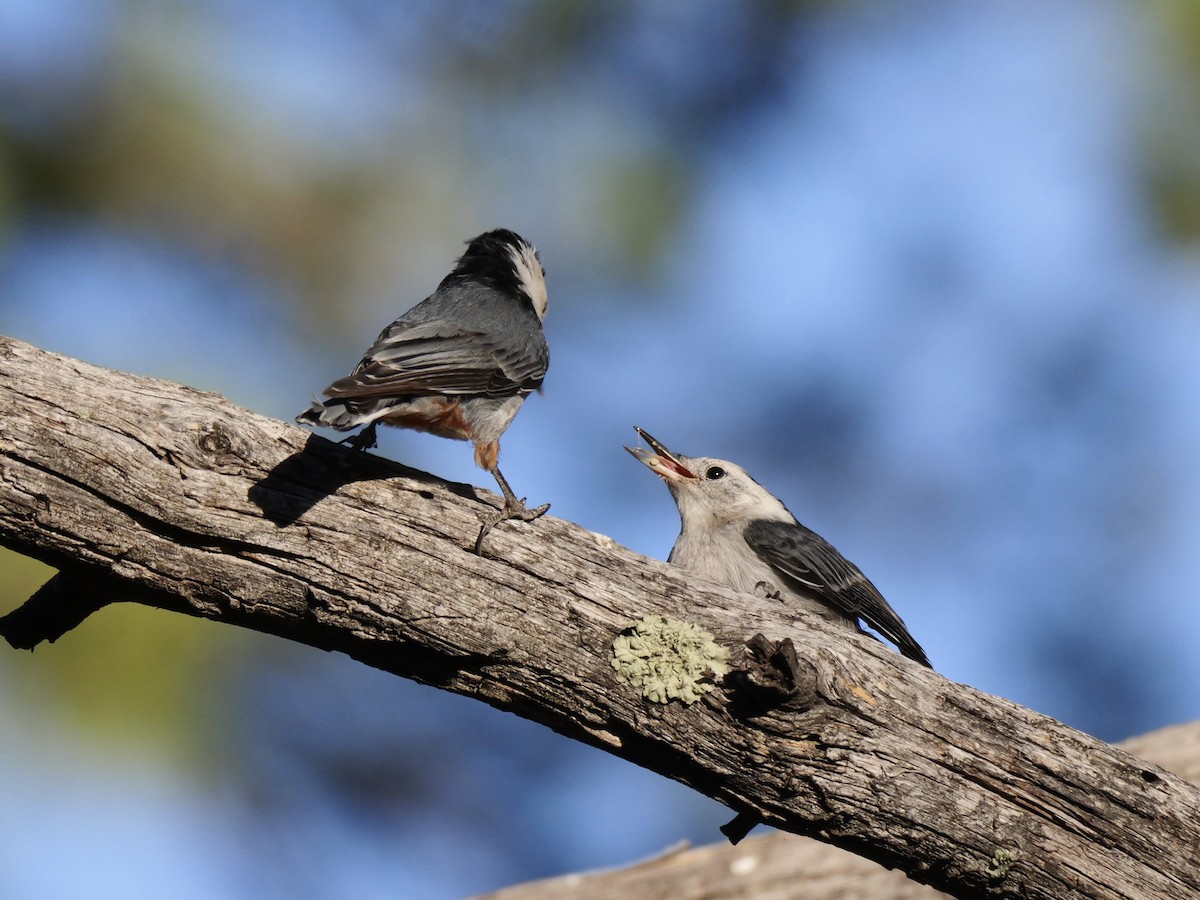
[[767, 591], [518, 510], [364, 440], [512, 509]]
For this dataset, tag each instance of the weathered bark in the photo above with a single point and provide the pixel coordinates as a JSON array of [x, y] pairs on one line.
[[199, 506], [779, 866]]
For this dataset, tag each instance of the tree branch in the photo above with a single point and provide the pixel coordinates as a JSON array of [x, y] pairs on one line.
[[776, 866], [187, 502]]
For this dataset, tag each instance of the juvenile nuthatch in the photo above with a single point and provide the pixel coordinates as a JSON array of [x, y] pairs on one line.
[[734, 532], [459, 364]]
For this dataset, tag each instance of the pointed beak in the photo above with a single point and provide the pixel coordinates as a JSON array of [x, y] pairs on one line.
[[661, 461]]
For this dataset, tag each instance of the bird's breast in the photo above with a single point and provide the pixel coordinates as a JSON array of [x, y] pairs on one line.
[[725, 559]]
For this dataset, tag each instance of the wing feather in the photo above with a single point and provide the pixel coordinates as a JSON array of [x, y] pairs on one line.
[[808, 560], [441, 358]]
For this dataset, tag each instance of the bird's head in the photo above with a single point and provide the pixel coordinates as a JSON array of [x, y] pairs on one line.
[[508, 262], [709, 491]]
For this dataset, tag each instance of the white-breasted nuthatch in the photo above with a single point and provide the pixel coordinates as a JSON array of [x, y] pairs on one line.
[[734, 532], [459, 364]]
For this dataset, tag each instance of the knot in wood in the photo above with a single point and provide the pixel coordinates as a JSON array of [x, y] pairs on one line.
[[216, 440], [770, 675]]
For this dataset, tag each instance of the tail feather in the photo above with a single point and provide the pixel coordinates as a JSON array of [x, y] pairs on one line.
[[312, 415], [331, 414]]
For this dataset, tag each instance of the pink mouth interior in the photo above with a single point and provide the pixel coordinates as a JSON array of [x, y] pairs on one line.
[[670, 463]]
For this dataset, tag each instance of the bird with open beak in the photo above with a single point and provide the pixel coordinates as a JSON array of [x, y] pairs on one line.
[[734, 532]]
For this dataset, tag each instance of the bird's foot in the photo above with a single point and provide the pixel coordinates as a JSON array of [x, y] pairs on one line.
[[512, 509], [767, 591], [364, 440], [516, 509]]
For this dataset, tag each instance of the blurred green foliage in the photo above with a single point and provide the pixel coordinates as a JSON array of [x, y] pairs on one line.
[[129, 673], [1174, 122]]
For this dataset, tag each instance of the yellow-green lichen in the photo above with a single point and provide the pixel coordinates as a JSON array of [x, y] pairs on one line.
[[668, 659], [1002, 861]]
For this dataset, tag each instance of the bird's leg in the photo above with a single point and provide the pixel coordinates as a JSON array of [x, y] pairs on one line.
[[364, 440], [514, 508]]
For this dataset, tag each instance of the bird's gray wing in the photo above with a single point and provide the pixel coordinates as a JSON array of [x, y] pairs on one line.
[[806, 558], [439, 357]]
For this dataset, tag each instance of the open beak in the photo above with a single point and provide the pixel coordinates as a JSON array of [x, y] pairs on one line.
[[660, 460]]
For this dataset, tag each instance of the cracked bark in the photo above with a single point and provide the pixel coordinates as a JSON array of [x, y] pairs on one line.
[[148, 491]]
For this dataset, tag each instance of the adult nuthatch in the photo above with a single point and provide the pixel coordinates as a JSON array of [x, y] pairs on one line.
[[459, 364], [736, 533]]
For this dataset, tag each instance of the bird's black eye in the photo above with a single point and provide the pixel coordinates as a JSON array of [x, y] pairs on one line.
[[714, 472]]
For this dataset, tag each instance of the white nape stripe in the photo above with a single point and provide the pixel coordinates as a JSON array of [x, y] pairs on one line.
[[529, 270]]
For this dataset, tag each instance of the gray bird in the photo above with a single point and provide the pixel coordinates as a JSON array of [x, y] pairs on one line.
[[734, 532], [459, 364]]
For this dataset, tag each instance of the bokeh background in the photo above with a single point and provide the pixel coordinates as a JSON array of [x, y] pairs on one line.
[[929, 270]]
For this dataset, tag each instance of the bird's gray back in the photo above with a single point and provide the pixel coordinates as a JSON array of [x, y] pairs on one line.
[[501, 321], [466, 339]]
